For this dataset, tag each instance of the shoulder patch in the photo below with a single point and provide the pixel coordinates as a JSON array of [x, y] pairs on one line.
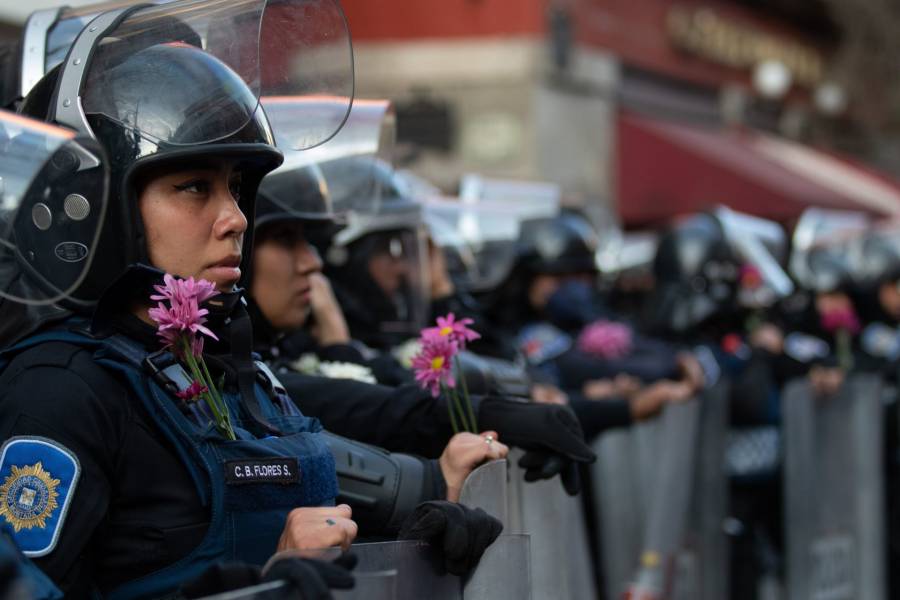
[[805, 348], [541, 342], [37, 481], [881, 341]]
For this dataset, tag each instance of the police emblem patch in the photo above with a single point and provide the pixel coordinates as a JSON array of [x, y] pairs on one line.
[[38, 479], [28, 497]]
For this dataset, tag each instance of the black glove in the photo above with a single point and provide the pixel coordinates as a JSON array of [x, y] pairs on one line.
[[313, 579], [550, 433], [462, 533], [306, 579]]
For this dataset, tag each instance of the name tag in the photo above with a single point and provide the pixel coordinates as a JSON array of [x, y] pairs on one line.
[[262, 470]]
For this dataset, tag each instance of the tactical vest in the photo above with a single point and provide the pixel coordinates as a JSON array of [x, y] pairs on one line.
[[248, 485]]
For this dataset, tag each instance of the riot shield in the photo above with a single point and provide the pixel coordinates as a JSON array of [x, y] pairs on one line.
[[505, 568], [560, 557], [420, 572], [662, 496], [834, 503], [369, 585]]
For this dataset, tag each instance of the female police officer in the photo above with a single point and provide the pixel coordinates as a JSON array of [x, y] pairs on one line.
[[107, 481]]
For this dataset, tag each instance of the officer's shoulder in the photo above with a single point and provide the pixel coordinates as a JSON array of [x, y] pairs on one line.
[[58, 368]]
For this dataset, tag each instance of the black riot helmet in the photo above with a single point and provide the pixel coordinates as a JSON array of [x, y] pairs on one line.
[[143, 130], [299, 195], [566, 243], [390, 242], [696, 274], [179, 83]]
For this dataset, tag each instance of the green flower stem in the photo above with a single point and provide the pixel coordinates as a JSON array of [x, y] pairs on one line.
[[460, 412], [844, 353], [465, 388], [450, 409], [211, 396], [215, 392]]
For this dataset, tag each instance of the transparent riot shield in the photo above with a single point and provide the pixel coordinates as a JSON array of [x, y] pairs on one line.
[[834, 491], [661, 492]]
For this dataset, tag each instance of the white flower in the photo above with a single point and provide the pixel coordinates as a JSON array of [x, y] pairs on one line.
[[405, 352], [345, 370], [308, 363]]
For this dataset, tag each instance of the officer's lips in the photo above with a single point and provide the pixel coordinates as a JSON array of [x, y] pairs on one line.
[[227, 270], [304, 294]]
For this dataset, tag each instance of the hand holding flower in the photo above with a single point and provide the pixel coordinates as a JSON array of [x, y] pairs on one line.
[[180, 326]]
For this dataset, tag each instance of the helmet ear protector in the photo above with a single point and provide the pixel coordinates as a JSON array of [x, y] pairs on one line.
[[58, 224]]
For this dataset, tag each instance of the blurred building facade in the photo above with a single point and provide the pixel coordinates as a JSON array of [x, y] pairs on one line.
[[563, 90]]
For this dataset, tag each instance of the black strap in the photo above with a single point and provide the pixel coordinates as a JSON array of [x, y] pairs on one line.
[[241, 349]]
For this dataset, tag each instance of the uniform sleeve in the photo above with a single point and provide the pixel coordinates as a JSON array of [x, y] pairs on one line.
[[65, 401], [403, 419]]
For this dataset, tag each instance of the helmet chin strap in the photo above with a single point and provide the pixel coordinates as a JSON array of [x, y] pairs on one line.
[[229, 311]]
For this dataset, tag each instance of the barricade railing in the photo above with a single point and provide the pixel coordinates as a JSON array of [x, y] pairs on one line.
[[834, 491]]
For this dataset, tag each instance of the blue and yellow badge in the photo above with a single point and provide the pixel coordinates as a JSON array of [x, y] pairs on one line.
[[37, 482]]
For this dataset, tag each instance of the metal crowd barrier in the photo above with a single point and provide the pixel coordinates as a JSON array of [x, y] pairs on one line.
[[661, 493], [834, 491]]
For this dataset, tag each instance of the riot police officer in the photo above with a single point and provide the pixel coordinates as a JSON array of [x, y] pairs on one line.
[[113, 483], [297, 214]]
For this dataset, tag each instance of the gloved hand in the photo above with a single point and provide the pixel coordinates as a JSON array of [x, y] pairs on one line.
[[312, 579], [306, 579], [550, 433], [462, 533]]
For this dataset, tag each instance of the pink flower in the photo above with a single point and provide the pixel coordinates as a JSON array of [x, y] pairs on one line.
[[192, 391], [448, 327], [605, 339], [432, 364], [841, 319], [750, 276], [183, 316], [181, 290]]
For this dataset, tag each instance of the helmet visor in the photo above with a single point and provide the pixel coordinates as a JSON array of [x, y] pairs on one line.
[[820, 256], [53, 194], [482, 238], [205, 64], [397, 262], [356, 163], [762, 245]]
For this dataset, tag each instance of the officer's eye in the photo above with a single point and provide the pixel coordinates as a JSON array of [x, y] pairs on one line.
[[234, 186], [194, 186]]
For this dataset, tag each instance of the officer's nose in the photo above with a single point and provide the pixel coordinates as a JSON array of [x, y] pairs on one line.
[[307, 259], [230, 220]]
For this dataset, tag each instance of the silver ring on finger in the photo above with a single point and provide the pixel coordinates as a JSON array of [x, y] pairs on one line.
[[489, 439]]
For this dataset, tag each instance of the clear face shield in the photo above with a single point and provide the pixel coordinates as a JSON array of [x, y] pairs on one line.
[[53, 198], [821, 256], [348, 163], [397, 262], [875, 255], [762, 246], [297, 48], [490, 221], [478, 241]]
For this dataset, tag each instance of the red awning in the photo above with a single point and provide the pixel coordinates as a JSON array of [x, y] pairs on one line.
[[666, 169]]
